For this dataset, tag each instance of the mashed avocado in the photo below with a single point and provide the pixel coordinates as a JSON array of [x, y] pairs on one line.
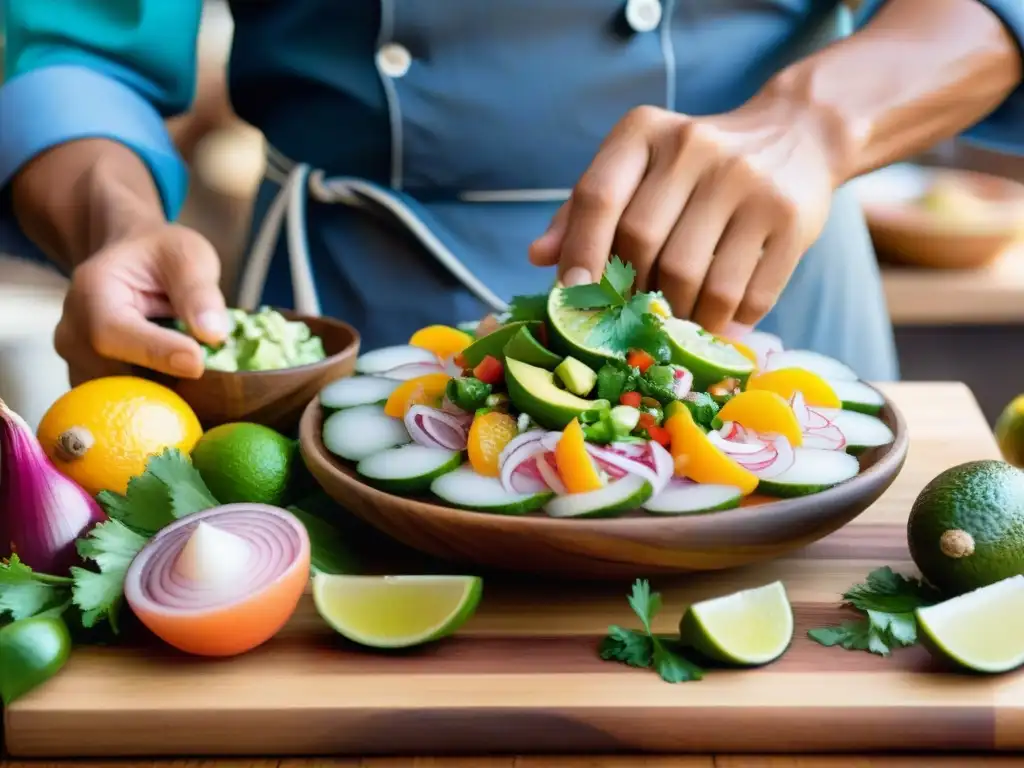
[[264, 341]]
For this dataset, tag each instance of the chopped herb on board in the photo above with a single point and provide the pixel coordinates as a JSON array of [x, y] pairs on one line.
[[643, 648], [887, 601]]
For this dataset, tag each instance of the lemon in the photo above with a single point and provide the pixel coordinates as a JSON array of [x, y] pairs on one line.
[[243, 462], [747, 628], [395, 611], [981, 630]]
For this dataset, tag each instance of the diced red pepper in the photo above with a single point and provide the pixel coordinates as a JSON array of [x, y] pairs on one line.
[[631, 399], [637, 358], [490, 371], [647, 421], [542, 334], [660, 435], [460, 361]]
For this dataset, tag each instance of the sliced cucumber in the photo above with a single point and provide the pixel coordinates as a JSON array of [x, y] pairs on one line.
[[860, 430], [684, 498], [386, 358], [466, 489], [813, 470], [615, 498], [857, 396], [357, 390], [362, 431], [815, 362], [408, 468]]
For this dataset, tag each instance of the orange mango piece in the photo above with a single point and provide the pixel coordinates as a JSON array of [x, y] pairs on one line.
[[423, 390], [443, 340], [488, 436], [763, 411], [786, 381], [699, 459], [575, 467]]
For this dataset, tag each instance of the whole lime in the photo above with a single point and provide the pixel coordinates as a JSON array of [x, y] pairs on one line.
[[966, 528], [244, 462], [1010, 431]]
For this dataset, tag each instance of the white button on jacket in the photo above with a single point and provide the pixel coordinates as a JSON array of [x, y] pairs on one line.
[[394, 60], [643, 15]]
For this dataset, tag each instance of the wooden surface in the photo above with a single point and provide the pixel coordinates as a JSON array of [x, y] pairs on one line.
[[990, 295], [524, 677]]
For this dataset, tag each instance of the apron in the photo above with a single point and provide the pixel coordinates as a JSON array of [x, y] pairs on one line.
[[417, 149]]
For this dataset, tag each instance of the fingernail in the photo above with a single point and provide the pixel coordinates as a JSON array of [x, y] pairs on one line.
[[576, 276], [213, 322], [181, 363]]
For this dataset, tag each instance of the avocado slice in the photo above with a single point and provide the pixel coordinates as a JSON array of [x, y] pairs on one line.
[[493, 343], [533, 391], [579, 378], [525, 348]]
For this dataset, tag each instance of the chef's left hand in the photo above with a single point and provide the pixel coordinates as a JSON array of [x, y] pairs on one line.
[[713, 211]]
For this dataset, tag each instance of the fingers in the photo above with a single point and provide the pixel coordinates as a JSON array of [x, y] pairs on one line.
[[725, 283], [190, 272], [601, 196], [545, 250], [772, 273]]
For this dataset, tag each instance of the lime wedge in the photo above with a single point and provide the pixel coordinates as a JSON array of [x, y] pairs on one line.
[[746, 628], [570, 329], [395, 611], [981, 630], [708, 358]]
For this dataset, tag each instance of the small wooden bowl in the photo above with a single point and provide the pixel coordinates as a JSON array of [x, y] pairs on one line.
[[625, 547], [272, 398], [906, 233]]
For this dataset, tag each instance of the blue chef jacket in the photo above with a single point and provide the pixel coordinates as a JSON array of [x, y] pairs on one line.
[[417, 148]]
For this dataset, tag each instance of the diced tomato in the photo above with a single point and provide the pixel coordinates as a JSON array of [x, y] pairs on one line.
[[542, 334], [631, 399], [637, 358], [647, 421], [490, 371], [460, 361], [660, 435]]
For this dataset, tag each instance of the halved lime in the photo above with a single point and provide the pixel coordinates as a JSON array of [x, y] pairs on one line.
[[747, 628], [571, 328], [707, 357], [395, 611], [981, 630]]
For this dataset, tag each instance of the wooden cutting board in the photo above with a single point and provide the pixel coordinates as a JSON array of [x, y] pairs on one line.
[[524, 676]]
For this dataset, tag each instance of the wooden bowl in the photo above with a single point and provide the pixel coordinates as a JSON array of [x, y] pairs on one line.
[[273, 398], [625, 547], [984, 222]]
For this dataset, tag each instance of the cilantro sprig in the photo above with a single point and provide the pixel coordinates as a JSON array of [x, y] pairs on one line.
[[887, 601], [645, 649]]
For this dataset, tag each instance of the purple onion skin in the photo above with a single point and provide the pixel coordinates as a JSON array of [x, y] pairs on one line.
[[42, 511]]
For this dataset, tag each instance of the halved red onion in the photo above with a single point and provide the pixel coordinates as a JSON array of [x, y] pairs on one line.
[[548, 469], [518, 463], [412, 371], [195, 578], [433, 428], [648, 460]]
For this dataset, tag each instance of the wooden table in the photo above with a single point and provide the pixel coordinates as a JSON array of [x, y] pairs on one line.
[[523, 677]]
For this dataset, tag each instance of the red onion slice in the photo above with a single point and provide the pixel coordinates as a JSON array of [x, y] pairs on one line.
[[683, 382], [518, 462], [648, 460], [433, 428], [412, 371], [829, 438], [735, 447], [548, 469]]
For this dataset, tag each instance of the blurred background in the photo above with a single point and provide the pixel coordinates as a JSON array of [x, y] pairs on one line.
[[948, 227]]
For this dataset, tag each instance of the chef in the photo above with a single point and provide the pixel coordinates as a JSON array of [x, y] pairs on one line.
[[428, 161]]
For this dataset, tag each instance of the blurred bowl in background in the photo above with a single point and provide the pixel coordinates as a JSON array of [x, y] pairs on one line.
[[273, 398], [941, 218]]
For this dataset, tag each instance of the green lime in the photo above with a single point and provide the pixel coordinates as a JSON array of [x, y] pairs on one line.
[[709, 358], [571, 328], [243, 462], [1010, 431], [533, 390], [395, 611], [982, 630], [966, 528], [747, 628], [31, 652]]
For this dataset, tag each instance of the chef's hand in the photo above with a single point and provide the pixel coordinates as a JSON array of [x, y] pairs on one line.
[[713, 211], [164, 271]]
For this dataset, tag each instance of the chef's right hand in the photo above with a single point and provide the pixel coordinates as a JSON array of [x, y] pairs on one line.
[[165, 271]]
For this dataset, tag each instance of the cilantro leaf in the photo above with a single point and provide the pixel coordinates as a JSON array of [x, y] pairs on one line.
[[648, 335], [673, 667], [169, 488], [591, 296], [528, 308], [618, 276], [851, 635], [628, 646], [111, 545], [899, 628], [644, 604], [890, 592], [25, 593]]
